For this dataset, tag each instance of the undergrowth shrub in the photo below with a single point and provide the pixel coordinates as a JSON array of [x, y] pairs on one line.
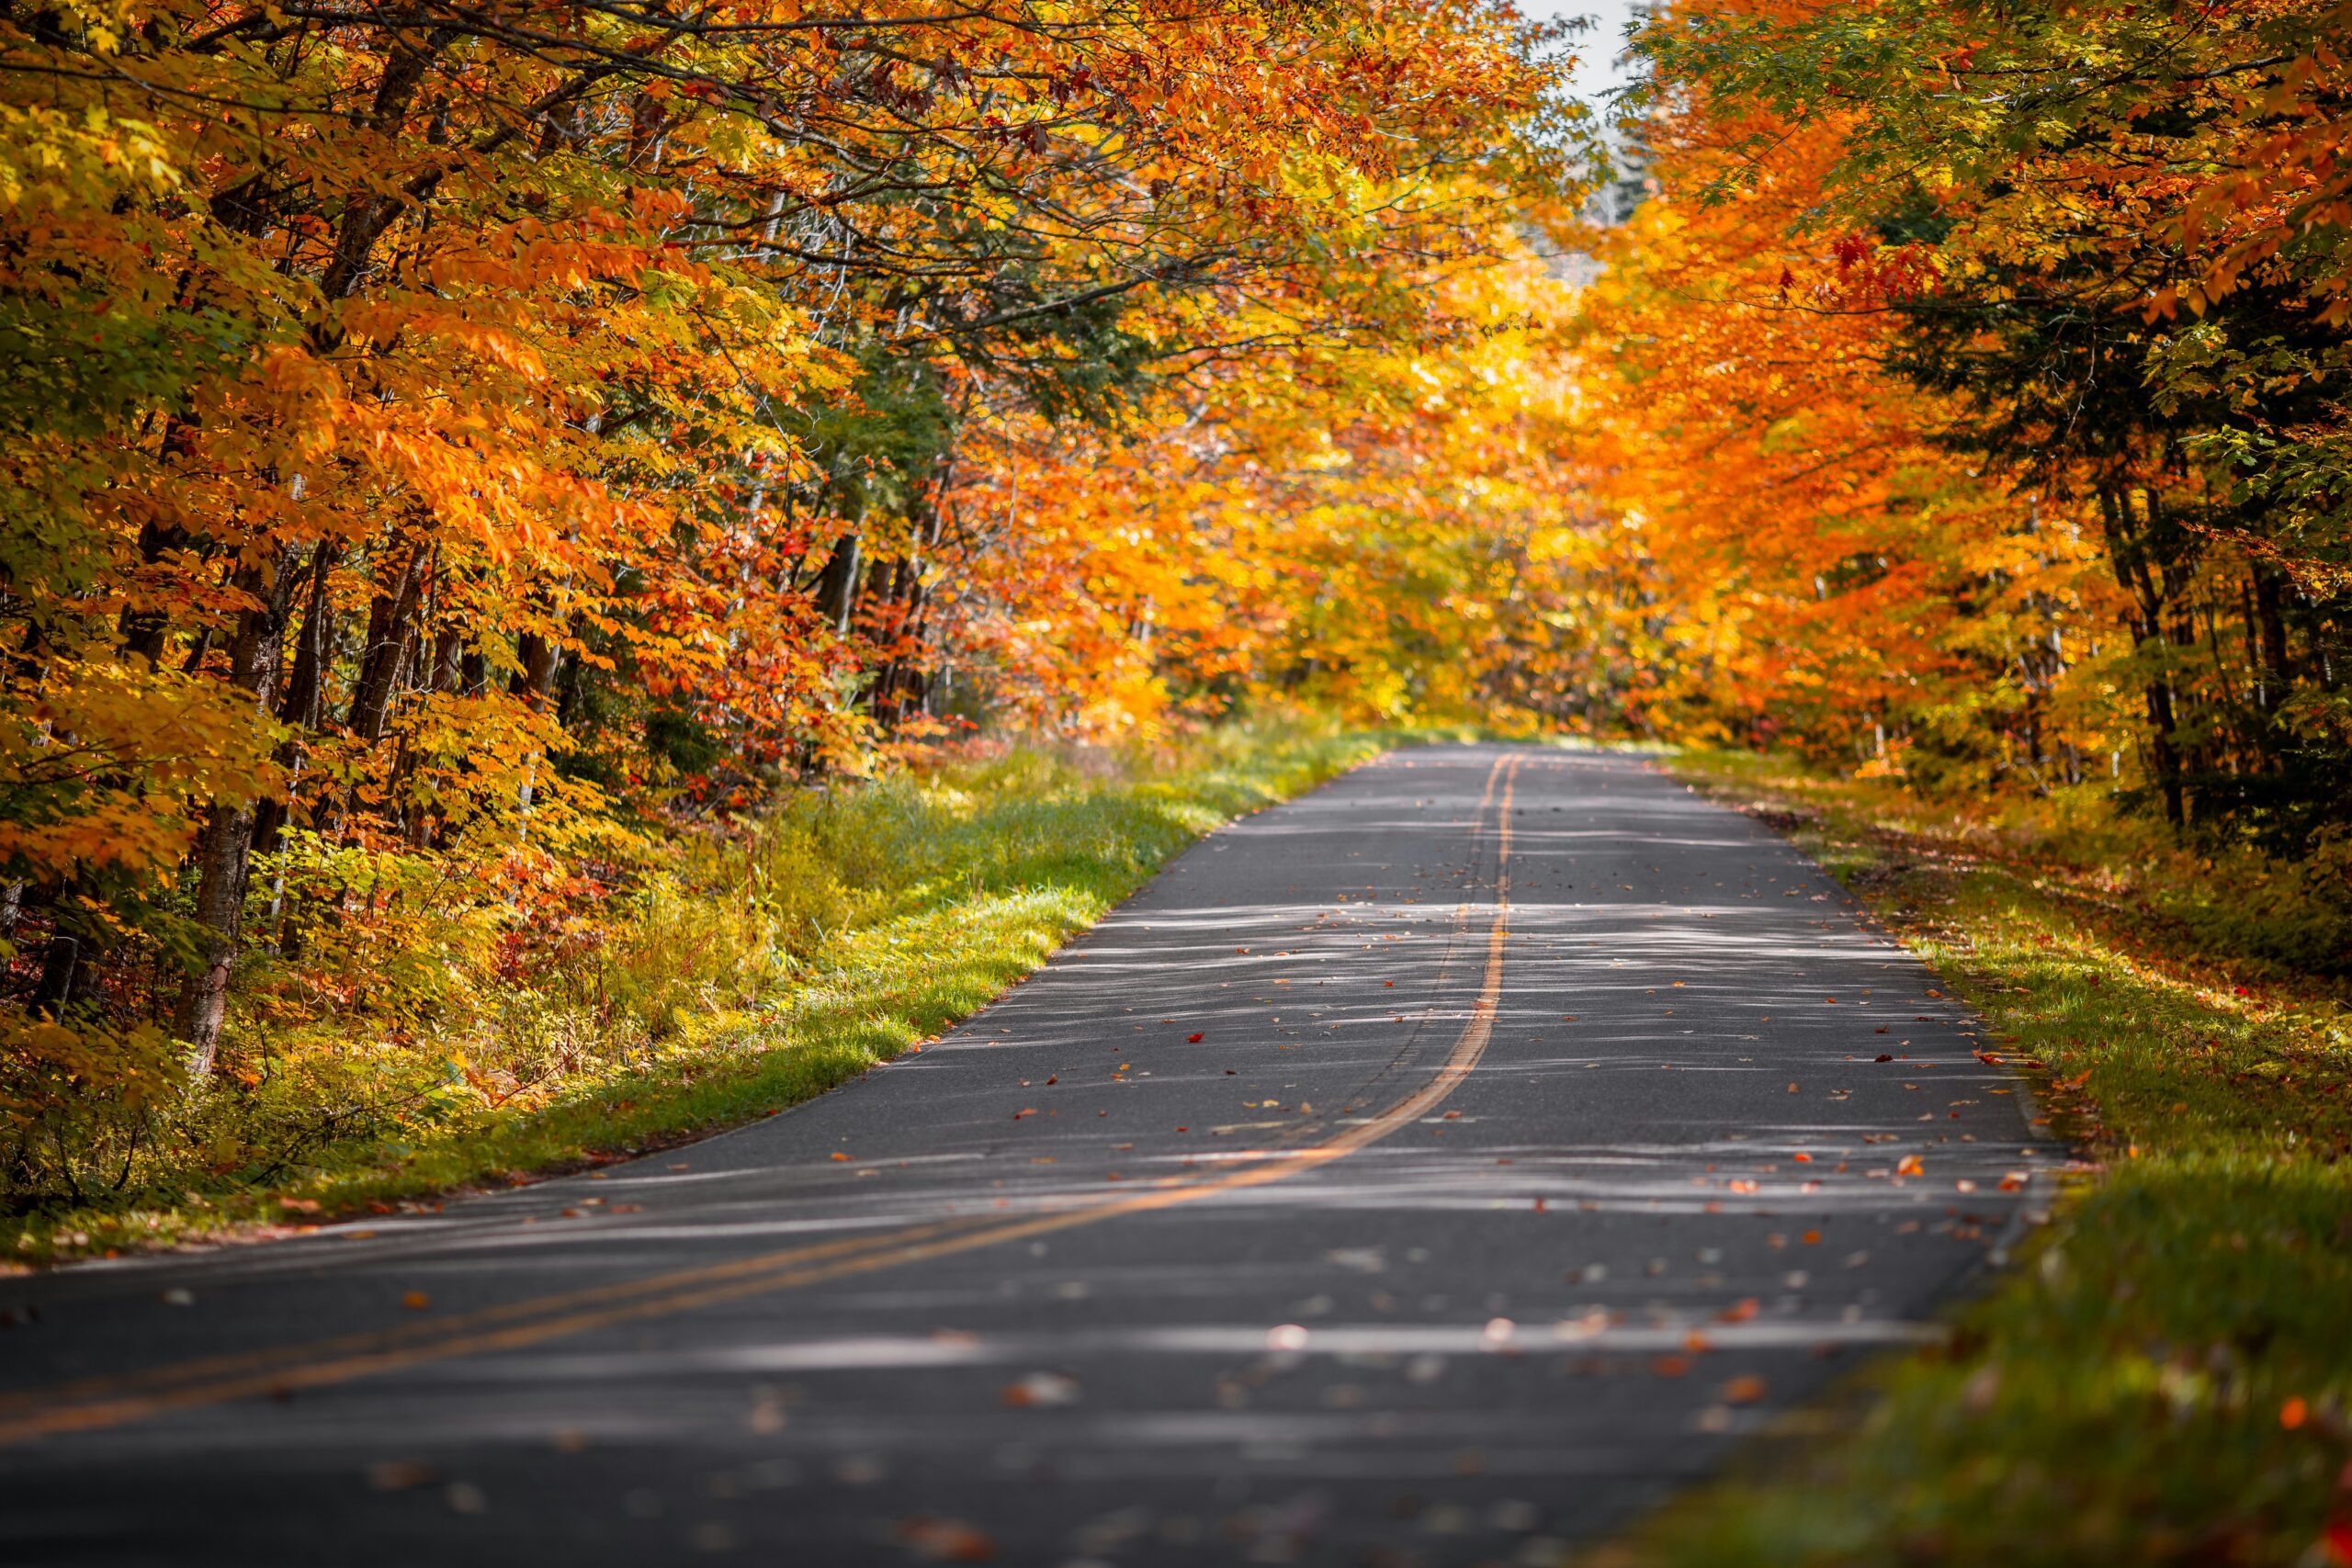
[[393, 1003]]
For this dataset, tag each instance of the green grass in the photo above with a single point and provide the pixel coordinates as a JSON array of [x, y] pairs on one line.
[[762, 969], [2164, 1376]]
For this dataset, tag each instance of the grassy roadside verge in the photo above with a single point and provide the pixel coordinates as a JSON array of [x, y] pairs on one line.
[[837, 935], [2165, 1377]]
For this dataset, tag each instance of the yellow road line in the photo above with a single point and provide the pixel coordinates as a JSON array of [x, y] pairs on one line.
[[375, 1340], [101, 1402]]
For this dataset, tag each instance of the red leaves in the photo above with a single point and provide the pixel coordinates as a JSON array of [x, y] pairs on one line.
[[1196, 1039]]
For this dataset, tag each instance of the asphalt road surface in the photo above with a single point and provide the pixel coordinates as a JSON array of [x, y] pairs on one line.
[[1440, 1168]]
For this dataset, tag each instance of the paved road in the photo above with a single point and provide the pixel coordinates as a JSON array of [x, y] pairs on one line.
[[1434, 1170]]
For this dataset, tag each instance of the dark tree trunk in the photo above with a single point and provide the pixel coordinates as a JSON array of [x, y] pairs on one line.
[[300, 703], [224, 848], [391, 635], [2270, 616], [837, 584], [148, 633], [447, 652], [368, 213], [2128, 547], [535, 679], [61, 963]]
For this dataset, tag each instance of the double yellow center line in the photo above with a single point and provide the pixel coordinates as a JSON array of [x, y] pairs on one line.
[[274, 1370]]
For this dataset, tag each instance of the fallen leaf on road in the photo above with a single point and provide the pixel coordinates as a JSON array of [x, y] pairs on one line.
[[416, 1301], [396, 1474], [1670, 1366], [1040, 1389], [1739, 1311], [1194, 1039], [945, 1541], [1909, 1166], [838, 1155], [1744, 1390]]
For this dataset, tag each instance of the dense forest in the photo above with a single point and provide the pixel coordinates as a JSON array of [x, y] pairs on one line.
[[468, 470]]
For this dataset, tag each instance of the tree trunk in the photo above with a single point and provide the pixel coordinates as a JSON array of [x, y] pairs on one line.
[[300, 703], [224, 850], [446, 651], [2270, 615], [837, 584], [535, 679], [60, 961], [391, 635], [2127, 551]]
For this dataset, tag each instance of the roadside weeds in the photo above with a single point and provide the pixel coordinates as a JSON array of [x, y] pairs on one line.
[[1015, 856]]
